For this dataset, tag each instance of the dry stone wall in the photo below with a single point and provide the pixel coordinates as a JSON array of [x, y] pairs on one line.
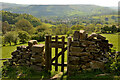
[[87, 52], [31, 55], [84, 53]]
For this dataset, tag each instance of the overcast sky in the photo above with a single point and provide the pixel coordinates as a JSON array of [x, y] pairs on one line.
[[113, 3]]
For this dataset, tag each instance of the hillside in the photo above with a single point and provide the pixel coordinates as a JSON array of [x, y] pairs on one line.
[[10, 5], [12, 18], [60, 10]]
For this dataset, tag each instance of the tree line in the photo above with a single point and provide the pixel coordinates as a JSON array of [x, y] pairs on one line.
[[110, 29], [19, 28]]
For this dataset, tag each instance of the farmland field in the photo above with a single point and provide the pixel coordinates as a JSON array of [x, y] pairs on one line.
[[113, 38], [6, 50]]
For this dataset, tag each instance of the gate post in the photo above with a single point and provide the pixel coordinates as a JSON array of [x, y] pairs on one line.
[[68, 49], [47, 52]]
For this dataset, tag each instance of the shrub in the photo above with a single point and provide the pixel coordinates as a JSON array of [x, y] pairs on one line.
[[69, 32], [24, 36], [10, 37], [16, 71], [118, 33], [113, 65], [25, 25], [39, 37], [15, 38]]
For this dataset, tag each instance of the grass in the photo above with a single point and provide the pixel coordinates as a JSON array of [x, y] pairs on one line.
[[113, 38], [48, 25], [6, 53], [6, 50], [90, 75]]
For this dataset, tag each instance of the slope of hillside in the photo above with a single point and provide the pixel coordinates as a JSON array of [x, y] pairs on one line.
[[12, 18], [60, 10], [10, 5]]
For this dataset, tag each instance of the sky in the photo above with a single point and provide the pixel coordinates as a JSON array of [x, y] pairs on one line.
[[107, 3]]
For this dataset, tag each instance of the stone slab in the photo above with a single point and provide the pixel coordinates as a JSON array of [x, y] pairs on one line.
[[37, 48], [79, 53], [32, 42], [76, 49], [97, 65]]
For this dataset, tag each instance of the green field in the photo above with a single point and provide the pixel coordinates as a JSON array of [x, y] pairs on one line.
[[6, 53], [47, 24], [113, 38]]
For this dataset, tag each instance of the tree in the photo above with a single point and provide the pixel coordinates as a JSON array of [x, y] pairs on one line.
[[118, 29], [69, 32], [15, 37], [41, 28], [77, 27], [59, 29], [12, 18], [10, 37], [98, 27], [39, 37], [89, 28], [5, 27], [53, 28], [3, 41], [24, 36], [105, 29], [12, 27], [33, 20], [25, 25], [113, 29], [66, 29]]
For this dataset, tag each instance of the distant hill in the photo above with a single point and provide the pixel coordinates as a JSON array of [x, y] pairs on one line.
[[59, 10], [115, 8], [10, 5]]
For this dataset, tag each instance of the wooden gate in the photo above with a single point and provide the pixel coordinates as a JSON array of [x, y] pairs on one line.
[[49, 44]]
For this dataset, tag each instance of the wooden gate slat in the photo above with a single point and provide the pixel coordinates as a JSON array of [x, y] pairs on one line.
[[56, 54], [62, 57]]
